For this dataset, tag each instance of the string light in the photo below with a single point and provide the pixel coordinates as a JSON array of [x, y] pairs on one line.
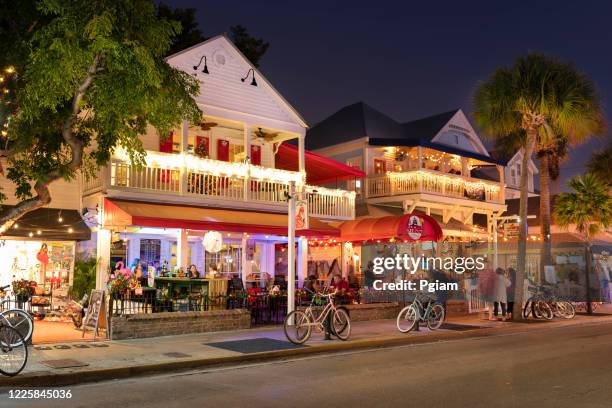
[[70, 230], [16, 226], [60, 219], [31, 234], [10, 70], [39, 232]]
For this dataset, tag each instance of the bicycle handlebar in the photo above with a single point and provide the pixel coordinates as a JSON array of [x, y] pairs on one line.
[[3, 288]]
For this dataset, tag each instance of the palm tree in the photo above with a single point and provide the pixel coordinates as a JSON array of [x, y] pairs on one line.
[[601, 164], [589, 208], [536, 99]]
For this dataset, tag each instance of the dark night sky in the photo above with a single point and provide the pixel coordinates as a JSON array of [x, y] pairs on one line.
[[411, 59]]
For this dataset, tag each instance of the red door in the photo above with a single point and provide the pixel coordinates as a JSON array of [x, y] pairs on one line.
[[256, 155], [166, 146], [222, 150]]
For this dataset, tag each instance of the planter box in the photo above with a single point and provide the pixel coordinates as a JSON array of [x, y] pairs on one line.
[[173, 323]]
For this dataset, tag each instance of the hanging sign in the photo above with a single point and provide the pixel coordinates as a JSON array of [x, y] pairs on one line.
[[511, 229], [213, 240], [415, 227], [301, 214]]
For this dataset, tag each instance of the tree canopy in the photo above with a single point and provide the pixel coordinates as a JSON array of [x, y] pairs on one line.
[[88, 76], [588, 206], [600, 164]]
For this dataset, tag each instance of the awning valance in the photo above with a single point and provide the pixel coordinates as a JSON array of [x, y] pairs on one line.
[[410, 227], [319, 169], [120, 213], [47, 221]]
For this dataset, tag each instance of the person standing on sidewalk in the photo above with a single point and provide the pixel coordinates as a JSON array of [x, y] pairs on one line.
[[500, 298], [510, 292]]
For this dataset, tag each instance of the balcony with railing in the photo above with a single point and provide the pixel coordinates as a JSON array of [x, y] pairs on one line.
[[433, 182], [190, 179]]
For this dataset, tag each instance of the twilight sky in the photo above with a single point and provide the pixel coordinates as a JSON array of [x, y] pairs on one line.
[[410, 59]]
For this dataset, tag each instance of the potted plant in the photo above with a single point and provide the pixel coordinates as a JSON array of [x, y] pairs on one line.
[[22, 289]]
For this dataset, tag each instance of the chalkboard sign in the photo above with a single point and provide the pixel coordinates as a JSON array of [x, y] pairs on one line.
[[96, 313]]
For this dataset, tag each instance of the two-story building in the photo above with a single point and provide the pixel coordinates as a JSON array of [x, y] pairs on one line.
[[437, 165], [226, 175]]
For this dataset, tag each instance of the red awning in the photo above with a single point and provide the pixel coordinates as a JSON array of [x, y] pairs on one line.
[[120, 213], [319, 169], [410, 227]]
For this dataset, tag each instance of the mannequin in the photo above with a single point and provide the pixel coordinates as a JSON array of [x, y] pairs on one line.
[[43, 258]]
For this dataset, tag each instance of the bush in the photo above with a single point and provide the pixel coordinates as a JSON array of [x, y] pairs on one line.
[[84, 280]]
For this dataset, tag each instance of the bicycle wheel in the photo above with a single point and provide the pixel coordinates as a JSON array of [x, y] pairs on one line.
[[297, 327], [436, 317], [569, 312], [13, 351], [406, 318], [20, 321], [541, 310], [341, 324]]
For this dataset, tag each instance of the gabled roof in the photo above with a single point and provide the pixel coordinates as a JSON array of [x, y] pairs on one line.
[[361, 120], [179, 58], [350, 123], [425, 129]]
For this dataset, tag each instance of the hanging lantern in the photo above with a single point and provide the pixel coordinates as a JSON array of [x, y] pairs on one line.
[[213, 240]]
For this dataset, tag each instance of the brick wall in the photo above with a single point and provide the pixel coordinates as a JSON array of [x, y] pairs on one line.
[[373, 311], [172, 323]]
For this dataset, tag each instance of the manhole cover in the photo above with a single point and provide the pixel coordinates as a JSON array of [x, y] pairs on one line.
[[82, 346], [177, 355], [99, 345], [64, 363], [61, 347]]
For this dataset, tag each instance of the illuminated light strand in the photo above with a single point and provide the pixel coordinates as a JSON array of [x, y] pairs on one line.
[[216, 167]]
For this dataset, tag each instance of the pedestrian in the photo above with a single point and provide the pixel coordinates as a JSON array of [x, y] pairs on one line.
[[500, 297], [510, 292]]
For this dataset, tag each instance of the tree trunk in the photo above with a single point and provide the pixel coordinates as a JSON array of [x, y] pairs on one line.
[[521, 262], [588, 256], [546, 254]]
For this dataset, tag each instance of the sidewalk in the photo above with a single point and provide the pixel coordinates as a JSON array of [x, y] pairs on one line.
[[125, 358]]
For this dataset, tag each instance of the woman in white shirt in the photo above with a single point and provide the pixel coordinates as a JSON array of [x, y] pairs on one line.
[[499, 293]]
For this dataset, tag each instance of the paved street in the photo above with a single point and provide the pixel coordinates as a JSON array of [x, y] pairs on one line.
[[559, 367]]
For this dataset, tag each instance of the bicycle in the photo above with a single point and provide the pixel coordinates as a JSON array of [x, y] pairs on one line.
[[433, 314], [13, 351], [543, 304], [17, 319], [298, 324]]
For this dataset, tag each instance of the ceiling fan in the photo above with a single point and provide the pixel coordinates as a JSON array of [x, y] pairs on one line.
[[204, 125], [266, 136]]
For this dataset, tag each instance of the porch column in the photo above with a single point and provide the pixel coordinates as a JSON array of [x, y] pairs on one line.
[[182, 247], [243, 260], [291, 250], [464, 167], [246, 141], [301, 159], [103, 251], [302, 260], [185, 137]]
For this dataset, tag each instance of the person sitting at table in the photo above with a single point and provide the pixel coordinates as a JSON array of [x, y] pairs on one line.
[[193, 272], [343, 285]]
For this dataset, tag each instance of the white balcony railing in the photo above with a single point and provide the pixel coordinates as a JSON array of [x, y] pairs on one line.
[[188, 176], [432, 182]]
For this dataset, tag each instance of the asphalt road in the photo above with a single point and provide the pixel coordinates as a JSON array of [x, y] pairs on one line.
[[564, 367]]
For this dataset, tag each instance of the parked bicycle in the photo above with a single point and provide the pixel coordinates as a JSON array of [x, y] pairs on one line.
[[543, 304], [299, 323], [13, 351], [431, 313], [17, 319]]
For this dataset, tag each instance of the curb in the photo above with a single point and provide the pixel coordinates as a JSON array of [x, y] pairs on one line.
[[58, 379]]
